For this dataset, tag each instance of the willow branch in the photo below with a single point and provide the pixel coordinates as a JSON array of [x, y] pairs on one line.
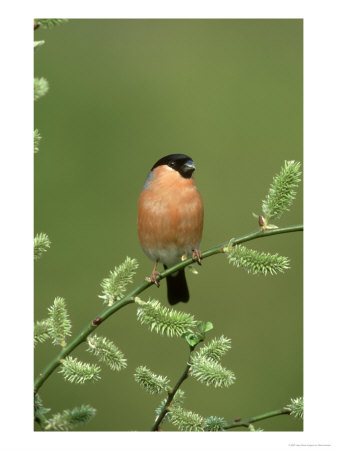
[[171, 394], [246, 422], [129, 298]]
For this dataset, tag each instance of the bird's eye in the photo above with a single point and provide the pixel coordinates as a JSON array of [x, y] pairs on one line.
[[172, 164]]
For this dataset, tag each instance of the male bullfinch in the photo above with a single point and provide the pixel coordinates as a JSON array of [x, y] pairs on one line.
[[170, 220]]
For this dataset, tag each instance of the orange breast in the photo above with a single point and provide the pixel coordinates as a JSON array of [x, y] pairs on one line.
[[170, 212]]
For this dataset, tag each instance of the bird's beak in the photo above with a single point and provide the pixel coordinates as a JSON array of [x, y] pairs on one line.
[[188, 168]]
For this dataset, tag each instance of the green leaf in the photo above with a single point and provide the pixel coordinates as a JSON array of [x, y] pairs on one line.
[[208, 326], [191, 338], [198, 333]]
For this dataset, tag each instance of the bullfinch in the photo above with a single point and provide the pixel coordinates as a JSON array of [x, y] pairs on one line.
[[170, 220]]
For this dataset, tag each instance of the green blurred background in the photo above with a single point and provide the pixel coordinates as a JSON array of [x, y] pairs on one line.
[[124, 93]]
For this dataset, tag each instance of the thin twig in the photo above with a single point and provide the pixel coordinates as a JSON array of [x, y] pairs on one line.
[[171, 394], [246, 422]]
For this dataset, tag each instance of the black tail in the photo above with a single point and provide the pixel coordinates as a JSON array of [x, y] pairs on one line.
[[177, 290]]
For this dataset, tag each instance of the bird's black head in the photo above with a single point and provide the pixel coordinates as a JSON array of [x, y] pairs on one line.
[[181, 163]]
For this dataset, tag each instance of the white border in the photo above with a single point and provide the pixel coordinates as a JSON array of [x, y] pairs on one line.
[[320, 77]]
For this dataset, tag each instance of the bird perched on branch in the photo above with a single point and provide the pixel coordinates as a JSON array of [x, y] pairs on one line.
[[170, 220]]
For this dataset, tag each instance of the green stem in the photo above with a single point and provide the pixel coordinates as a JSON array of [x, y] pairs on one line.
[[246, 422], [129, 298], [171, 394]]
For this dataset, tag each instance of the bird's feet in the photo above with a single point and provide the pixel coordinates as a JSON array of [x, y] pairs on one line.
[[196, 254], [153, 277]]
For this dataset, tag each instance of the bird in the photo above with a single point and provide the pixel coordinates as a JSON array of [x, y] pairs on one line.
[[170, 220]]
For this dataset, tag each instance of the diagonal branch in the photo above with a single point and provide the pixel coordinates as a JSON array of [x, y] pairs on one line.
[[129, 298], [171, 394]]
